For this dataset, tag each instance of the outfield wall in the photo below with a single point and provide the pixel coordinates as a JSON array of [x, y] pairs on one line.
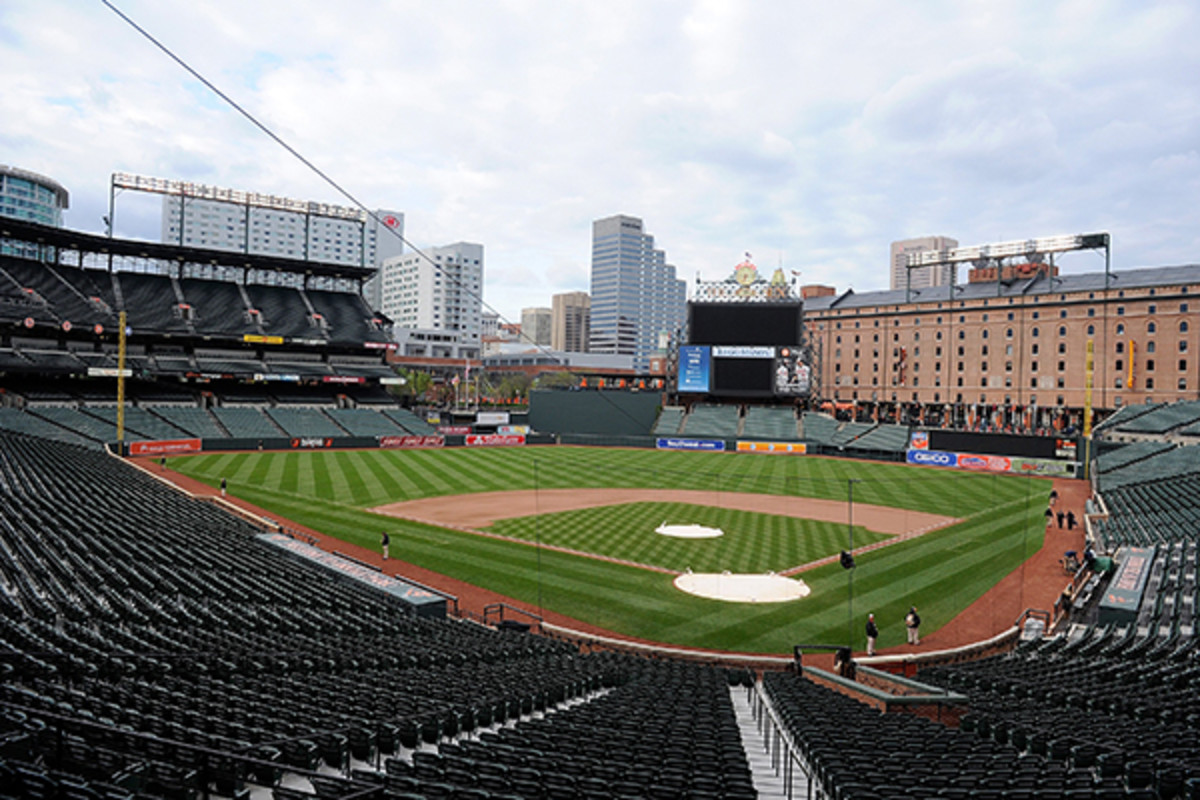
[[595, 413]]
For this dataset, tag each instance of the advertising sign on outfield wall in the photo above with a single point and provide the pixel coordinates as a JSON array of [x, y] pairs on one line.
[[989, 463], [164, 447], [932, 458], [311, 441], [791, 448], [672, 443], [412, 441], [493, 440], [1042, 466], [984, 463]]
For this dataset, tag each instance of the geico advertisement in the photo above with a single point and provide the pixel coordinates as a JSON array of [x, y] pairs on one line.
[[940, 458]]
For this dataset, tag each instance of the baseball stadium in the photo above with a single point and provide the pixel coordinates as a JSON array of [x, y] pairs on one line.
[[234, 564]]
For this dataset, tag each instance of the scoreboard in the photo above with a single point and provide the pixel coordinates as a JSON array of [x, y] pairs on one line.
[[748, 350]]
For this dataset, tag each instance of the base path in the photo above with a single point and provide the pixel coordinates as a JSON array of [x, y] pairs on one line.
[[481, 510]]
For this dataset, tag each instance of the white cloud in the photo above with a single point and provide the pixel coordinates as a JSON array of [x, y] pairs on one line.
[[811, 135]]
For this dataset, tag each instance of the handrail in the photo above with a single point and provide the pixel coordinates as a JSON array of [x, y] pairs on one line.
[[773, 662], [786, 754], [1036, 613], [488, 609]]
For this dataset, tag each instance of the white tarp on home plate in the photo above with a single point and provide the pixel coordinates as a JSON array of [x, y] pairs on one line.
[[768, 588], [692, 531]]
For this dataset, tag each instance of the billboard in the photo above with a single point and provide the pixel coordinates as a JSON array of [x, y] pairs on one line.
[[164, 446], [493, 439], [694, 366], [411, 441], [986, 462], [679, 443], [790, 448]]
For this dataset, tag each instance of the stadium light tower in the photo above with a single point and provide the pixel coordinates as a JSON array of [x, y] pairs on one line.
[[997, 252]]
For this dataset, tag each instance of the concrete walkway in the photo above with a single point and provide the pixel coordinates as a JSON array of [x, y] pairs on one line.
[[760, 752]]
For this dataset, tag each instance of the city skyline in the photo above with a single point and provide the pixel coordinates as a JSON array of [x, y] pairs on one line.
[[515, 128]]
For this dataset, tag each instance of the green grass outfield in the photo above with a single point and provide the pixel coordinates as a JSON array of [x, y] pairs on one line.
[[941, 572]]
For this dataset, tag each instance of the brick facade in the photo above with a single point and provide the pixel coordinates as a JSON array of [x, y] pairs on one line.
[[996, 346]]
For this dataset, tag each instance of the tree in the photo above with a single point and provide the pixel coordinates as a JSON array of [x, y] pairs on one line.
[[514, 385], [416, 384], [556, 380]]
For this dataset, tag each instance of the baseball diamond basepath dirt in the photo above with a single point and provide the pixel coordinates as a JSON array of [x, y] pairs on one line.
[[1035, 584]]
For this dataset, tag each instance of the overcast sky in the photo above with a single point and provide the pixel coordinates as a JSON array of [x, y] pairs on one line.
[[808, 134]]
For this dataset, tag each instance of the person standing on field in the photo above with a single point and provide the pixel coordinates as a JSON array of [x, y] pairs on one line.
[[384, 543], [872, 634], [912, 621]]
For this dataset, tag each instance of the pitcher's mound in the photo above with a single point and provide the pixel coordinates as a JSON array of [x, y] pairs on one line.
[[768, 588], [692, 531]]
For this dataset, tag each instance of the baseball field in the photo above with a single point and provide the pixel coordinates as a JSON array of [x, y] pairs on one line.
[[572, 530]]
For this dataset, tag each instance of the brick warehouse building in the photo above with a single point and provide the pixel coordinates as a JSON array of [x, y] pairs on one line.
[[1008, 348]]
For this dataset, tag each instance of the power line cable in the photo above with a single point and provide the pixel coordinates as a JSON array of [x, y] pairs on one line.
[[279, 140]]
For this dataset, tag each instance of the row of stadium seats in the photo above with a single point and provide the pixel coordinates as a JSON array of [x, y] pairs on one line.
[[1151, 489], [1036, 736], [94, 425], [154, 645], [57, 293], [46, 360], [1156, 419], [771, 423], [45, 390]]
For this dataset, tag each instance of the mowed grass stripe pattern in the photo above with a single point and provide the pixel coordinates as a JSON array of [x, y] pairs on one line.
[[620, 598], [752, 542], [941, 572], [383, 476]]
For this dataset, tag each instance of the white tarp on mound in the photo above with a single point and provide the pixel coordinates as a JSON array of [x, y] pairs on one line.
[[692, 531], [768, 588]]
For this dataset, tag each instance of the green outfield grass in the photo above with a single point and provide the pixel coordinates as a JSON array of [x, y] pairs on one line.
[[941, 572]]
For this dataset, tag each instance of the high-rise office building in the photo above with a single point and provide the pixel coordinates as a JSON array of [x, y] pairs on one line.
[[571, 314], [32, 197], [635, 294], [921, 277], [438, 291], [535, 326]]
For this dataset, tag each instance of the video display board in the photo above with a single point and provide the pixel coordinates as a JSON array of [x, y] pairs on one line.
[[776, 324], [745, 350], [745, 370]]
